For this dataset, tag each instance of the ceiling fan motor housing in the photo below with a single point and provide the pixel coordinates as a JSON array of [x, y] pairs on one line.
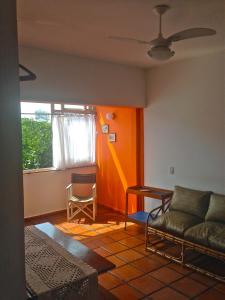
[[161, 53]]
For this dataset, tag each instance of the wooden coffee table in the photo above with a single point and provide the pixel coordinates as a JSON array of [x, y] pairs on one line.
[[79, 250]]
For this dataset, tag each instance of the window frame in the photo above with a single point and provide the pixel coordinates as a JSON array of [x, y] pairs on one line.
[[88, 109]]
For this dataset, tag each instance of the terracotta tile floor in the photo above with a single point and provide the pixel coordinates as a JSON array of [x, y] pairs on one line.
[[138, 274]]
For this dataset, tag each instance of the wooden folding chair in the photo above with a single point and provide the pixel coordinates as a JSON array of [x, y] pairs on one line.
[[81, 194]]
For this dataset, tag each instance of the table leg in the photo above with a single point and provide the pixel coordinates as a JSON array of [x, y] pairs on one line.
[[126, 211]]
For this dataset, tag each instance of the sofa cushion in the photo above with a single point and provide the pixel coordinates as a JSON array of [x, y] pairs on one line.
[[217, 241], [190, 201], [201, 233], [175, 222], [216, 211]]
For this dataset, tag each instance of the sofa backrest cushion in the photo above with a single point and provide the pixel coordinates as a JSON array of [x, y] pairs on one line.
[[190, 201], [216, 211]]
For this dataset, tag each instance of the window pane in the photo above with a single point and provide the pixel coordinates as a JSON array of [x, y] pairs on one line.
[[57, 106], [73, 140], [36, 135], [28, 107], [76, 107]]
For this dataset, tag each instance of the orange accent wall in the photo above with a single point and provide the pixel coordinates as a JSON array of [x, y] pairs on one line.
[[120, 164]]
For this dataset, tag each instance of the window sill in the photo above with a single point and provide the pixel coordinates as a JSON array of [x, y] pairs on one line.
[[39, 170], [25, 172]]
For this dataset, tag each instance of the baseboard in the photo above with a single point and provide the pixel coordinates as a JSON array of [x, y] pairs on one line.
[[45, 215], [120, 211]]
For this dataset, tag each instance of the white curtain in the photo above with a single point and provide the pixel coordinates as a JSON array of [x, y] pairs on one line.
[[73, 140]]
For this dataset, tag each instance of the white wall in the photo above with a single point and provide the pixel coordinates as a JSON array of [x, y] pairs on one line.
[[184, 119], [184, 124], [44, 192], [68, 78], [72, 79]]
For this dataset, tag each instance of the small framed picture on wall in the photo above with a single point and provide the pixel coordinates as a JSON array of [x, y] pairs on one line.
[[112, 137], [105, 128]]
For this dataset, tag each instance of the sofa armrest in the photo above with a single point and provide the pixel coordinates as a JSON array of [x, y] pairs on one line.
[[154, 213]]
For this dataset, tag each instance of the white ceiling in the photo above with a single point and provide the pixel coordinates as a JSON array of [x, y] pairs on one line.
[[81, 27]]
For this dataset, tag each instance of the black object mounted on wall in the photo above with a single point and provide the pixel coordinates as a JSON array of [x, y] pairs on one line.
[[29, 76]]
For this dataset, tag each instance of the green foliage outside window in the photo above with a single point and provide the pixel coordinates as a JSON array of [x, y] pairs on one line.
[[36, 143]]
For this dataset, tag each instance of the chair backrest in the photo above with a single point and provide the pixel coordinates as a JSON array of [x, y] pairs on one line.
[[83, 178]]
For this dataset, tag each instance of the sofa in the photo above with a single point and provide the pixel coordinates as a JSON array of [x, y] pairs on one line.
[[193, 220]]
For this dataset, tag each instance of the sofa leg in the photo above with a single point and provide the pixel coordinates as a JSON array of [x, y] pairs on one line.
[[182, 254]]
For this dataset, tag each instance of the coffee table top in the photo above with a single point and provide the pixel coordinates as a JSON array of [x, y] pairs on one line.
[[76, 248]]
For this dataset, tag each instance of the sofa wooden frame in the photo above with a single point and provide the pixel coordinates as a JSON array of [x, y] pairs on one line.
[[184, 245]]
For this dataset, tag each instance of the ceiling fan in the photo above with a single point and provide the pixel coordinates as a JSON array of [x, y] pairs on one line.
[[160, 47]]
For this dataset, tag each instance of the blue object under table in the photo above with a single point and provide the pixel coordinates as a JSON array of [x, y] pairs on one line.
[[139, 217]]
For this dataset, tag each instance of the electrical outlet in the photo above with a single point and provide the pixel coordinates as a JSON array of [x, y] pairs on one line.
[[171, 170]]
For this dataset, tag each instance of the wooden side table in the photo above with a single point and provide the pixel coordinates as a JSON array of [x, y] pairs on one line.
[[140, 217]]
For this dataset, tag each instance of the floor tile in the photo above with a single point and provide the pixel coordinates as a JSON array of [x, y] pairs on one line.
[[91, 245], [162, 260], [68, 225], [118, 226], [167, 294], [146, 264], [126, 292], [90, 233], [141, 249], [105, 239], [203, 279], [95, 226], [141, 236], [116, 260], [120, 235], [97, 241], [101, 251], [131, 242], [211, 294], [134, 231], [179, 268], [129, 255], [108, 281], [79, 237], [115, 247], [220, 287], [104, 230], [146, 284], [189, 287], [104, 294], [166, 275], [126, 272], [77, 230]]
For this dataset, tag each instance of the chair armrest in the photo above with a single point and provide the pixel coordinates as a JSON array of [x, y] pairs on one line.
[[69, 191], [69, 186], [94, 190]]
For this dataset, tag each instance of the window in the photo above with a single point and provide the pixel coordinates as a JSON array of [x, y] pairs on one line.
[[57, 135], [36, 135]]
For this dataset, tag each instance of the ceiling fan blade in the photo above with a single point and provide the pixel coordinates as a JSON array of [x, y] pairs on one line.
[[191, 33], [127, 39]]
